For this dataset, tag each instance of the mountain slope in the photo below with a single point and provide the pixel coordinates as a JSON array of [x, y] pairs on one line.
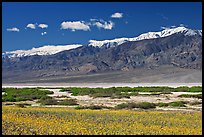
[[45, 50], [49, 49], [179, 50], [149, 35]]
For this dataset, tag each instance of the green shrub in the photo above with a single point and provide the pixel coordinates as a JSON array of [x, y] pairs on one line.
[[23, 94], [109, 92], [63, 96], [93, 107], [119, 96], [7, 104], [146, 105], [142, 105], [122, 106], [96, 95], [161, 104], [68, 102], [178, 104], [195, 89], [64, 90], [22, 105], [133, 94], [195, 103], [172, 104], [46, 100], [199, 96], [181, 89]]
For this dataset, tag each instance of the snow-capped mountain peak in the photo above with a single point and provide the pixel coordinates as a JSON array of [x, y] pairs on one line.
[[45, 50], [109, 43], [149, 35], [51, 49]]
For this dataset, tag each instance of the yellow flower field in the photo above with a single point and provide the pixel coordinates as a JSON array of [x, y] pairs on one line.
[[59, 121]]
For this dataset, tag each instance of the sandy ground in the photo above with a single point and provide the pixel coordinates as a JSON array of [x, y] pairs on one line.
[[107, 101], [87, 100]]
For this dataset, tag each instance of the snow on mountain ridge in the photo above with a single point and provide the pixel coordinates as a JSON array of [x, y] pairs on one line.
[[45, 50], [51, 49], [149, 35], [96, 43]]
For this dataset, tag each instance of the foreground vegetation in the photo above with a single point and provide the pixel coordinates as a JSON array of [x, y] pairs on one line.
[[23, 94], [59, 121], [126, 92], [199, 96]]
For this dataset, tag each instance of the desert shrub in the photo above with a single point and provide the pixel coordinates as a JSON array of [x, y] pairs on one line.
[[199, 96], [96, 95], [63, 96], [166, 92], [146, 105], [188, 89], [64, 90], [8, 98], [7, 104], [153, 89], [195, 103], [17, 99], [142, 105], [22, 105], [46, 100], [161, 104], [178, 104], [109, 92], [133, 94], [172, 104], [195, 89], [181, 89], [23, 94], [68, 102], [123, 105], [93, 107]]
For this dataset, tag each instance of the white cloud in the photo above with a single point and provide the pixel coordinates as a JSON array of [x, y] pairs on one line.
[[43, 26], [43, 33], [13, 29], [32, 26], [102, 24], [106, 25], [117, 15], [75, 25]]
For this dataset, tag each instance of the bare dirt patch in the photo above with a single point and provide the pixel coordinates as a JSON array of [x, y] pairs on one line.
[[107, 101]]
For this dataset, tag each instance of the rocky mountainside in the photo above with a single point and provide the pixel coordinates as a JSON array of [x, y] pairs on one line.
[[183, 49]]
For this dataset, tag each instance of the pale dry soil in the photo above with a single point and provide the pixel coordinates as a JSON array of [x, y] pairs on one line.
[[107, 101]]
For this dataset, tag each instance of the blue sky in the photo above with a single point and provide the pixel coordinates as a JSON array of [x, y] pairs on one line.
[[33, 24]]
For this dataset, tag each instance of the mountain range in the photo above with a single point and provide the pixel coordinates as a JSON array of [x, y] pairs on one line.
[[178, 49]]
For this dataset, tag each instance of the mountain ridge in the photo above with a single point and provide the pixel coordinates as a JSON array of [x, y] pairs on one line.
[[50, 49], [176, 51]]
